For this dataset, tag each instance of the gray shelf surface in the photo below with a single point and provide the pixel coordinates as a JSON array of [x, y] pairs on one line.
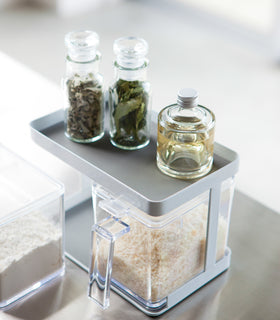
[[248, 290], [129, 173]]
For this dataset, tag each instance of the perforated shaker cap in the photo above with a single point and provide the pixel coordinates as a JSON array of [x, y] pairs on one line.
[[82, 45], [130, 51], [187, 98]]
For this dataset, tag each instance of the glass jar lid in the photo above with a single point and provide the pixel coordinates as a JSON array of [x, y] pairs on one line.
[[82, 45], [130, 52]]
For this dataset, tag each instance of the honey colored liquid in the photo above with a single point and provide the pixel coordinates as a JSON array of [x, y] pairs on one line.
[[184, 155]]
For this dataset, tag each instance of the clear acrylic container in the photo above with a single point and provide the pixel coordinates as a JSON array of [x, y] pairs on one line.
[[145, 223], [31, 228], [150, 259]]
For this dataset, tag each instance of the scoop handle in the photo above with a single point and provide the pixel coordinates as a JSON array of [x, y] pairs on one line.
[[104, 235]]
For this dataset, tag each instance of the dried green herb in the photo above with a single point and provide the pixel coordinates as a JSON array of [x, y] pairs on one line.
[[129, 104], [85, 114]]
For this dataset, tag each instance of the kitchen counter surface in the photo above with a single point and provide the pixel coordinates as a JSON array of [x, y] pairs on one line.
[[250, 289]]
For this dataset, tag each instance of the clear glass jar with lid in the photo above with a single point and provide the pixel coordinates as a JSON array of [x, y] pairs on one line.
[[129, 96], [185, 137], [83, 87]]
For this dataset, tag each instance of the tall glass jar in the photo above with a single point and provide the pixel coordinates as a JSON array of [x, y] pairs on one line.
[[129, 96], [185, 137], [83, 87]]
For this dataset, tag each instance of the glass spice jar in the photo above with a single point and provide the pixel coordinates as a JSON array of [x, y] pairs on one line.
[[129, 96], [83, 87], [185, 140]]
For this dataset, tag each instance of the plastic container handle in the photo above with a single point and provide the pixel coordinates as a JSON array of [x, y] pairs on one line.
[[104, 236]]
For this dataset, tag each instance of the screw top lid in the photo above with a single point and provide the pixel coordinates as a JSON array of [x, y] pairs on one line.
[[187, 98], [130, 51], [82, 45]]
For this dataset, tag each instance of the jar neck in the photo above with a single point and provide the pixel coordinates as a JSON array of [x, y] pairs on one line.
[[82, 68], [198, 118], [131, 74]]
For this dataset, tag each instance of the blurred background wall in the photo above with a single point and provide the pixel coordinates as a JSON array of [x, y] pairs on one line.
[[227, 50]]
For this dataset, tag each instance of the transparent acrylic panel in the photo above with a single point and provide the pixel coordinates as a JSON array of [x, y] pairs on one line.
[[31, 250], [178, 250], [99, 194], [99, 289], [227, 190]]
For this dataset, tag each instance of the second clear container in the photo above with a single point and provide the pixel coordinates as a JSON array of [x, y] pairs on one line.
[[31, 228], [150, 257]]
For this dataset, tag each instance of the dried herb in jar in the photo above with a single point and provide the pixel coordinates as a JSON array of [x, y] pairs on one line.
[[84, 117], [129, 101]]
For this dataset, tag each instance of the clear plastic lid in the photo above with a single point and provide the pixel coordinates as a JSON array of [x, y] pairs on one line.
[[82, 45], [22, 186], [130, 52]]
